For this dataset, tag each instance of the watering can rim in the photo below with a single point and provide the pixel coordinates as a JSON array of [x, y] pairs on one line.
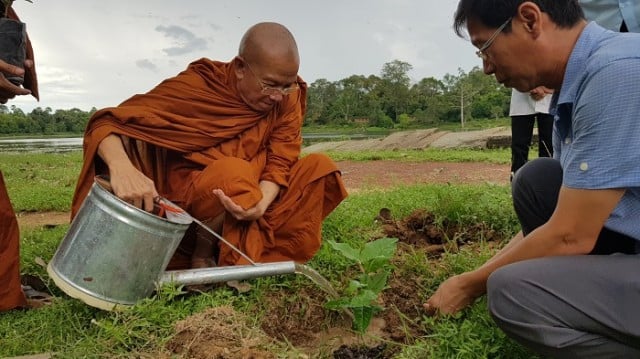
[[101, 182]]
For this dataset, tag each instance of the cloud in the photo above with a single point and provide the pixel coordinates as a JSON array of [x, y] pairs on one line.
[[146, 64], [184, 41], [216, 27], [61, 81]]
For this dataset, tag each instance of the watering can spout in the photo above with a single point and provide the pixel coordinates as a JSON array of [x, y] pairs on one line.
[[226, 273]]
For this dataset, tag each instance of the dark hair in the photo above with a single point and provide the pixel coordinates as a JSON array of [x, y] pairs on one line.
[[492, 13]]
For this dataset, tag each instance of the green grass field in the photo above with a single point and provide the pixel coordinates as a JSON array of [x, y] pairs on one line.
[[72, 329]]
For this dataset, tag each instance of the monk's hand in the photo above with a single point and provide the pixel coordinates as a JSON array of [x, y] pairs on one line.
[[133, 186], [539, 93], [237, 211], [7, 89], [453, 295]]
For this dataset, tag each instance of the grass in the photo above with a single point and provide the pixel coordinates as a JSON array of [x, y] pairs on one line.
[[40, 181], [74, 330]]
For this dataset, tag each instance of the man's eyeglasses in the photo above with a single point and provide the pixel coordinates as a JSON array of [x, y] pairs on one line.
[[489, 42], [272, 90]]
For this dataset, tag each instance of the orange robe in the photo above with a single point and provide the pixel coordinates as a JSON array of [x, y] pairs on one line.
[[11, 295], [194, 133]]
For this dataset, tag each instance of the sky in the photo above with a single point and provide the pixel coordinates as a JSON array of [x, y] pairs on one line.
[[92, 53]]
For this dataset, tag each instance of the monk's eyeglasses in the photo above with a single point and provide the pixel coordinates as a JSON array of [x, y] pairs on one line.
[[273, 90], [481, 51]]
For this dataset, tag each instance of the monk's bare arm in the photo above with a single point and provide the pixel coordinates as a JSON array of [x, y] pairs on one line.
[[270, 191], [127, 182]]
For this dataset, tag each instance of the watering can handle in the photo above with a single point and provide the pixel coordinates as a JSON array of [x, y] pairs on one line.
[[104, 182]]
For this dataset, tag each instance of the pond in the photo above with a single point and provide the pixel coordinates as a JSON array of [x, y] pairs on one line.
[[46, 145], [58, 145]]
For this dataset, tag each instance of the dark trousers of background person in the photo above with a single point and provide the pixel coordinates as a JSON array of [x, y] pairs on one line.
[[521, 134], [575, 306]]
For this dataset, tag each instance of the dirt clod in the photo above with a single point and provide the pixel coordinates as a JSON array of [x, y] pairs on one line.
[[422, 230], [220, 333], [360, 352]]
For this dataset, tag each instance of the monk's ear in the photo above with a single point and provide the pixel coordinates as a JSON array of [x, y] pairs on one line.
[[529, 16], [240, 67]]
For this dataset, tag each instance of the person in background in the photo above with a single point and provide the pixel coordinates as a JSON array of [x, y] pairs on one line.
[[567, 285], [525, 109], [615, 15], [222, 140], [12, 293]]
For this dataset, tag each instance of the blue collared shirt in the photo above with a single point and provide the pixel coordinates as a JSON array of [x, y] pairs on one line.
[[597, 125]]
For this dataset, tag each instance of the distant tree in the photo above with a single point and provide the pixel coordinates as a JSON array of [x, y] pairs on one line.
[[393, 90], [320, 96], [426, 98], [354, 98], [472, 95]]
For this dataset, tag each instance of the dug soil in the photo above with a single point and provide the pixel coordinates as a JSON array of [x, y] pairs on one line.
[[296, 319]]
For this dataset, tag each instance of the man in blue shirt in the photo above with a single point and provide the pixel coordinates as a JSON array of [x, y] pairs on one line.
[[568, 285]]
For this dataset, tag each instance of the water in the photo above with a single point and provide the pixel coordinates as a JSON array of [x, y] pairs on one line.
[[321, 282], [60, 145], [44, 145]]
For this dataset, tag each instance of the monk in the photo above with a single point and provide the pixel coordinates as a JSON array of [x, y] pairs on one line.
[[11, 294], [222, 140]]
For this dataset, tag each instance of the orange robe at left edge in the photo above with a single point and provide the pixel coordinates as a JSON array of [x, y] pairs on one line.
[[11, 295]]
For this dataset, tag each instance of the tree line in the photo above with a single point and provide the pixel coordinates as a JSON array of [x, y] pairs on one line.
[[391, 101], [13, 121], [386, 101]]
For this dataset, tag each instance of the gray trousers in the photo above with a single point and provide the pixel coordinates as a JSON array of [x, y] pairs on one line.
[[585, 306]]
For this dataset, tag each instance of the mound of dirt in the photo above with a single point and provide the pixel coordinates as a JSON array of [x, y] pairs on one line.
[[422, 230], [420, 139], [219, 333]]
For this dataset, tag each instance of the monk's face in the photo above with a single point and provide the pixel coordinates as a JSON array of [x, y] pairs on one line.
[[263, 84]]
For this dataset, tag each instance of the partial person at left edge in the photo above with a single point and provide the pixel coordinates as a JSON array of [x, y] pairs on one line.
[[13, 294], [9, 90]]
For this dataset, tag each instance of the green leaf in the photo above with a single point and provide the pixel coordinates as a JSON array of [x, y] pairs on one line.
[[377, 282], [337, 304], [354, 285], [363, 299], [380, 248], [346, 250], [375, 264], [362, 318]]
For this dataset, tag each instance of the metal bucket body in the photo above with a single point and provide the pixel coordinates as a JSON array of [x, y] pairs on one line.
[[113, 253]]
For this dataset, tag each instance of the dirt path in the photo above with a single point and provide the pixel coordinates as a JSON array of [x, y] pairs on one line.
[[358, 176], [384, 174], [40, 219]]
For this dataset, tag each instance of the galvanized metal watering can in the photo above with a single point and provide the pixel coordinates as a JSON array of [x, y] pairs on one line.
[[115, 254]]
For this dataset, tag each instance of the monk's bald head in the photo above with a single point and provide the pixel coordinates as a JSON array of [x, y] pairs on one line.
[[268, 41]]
